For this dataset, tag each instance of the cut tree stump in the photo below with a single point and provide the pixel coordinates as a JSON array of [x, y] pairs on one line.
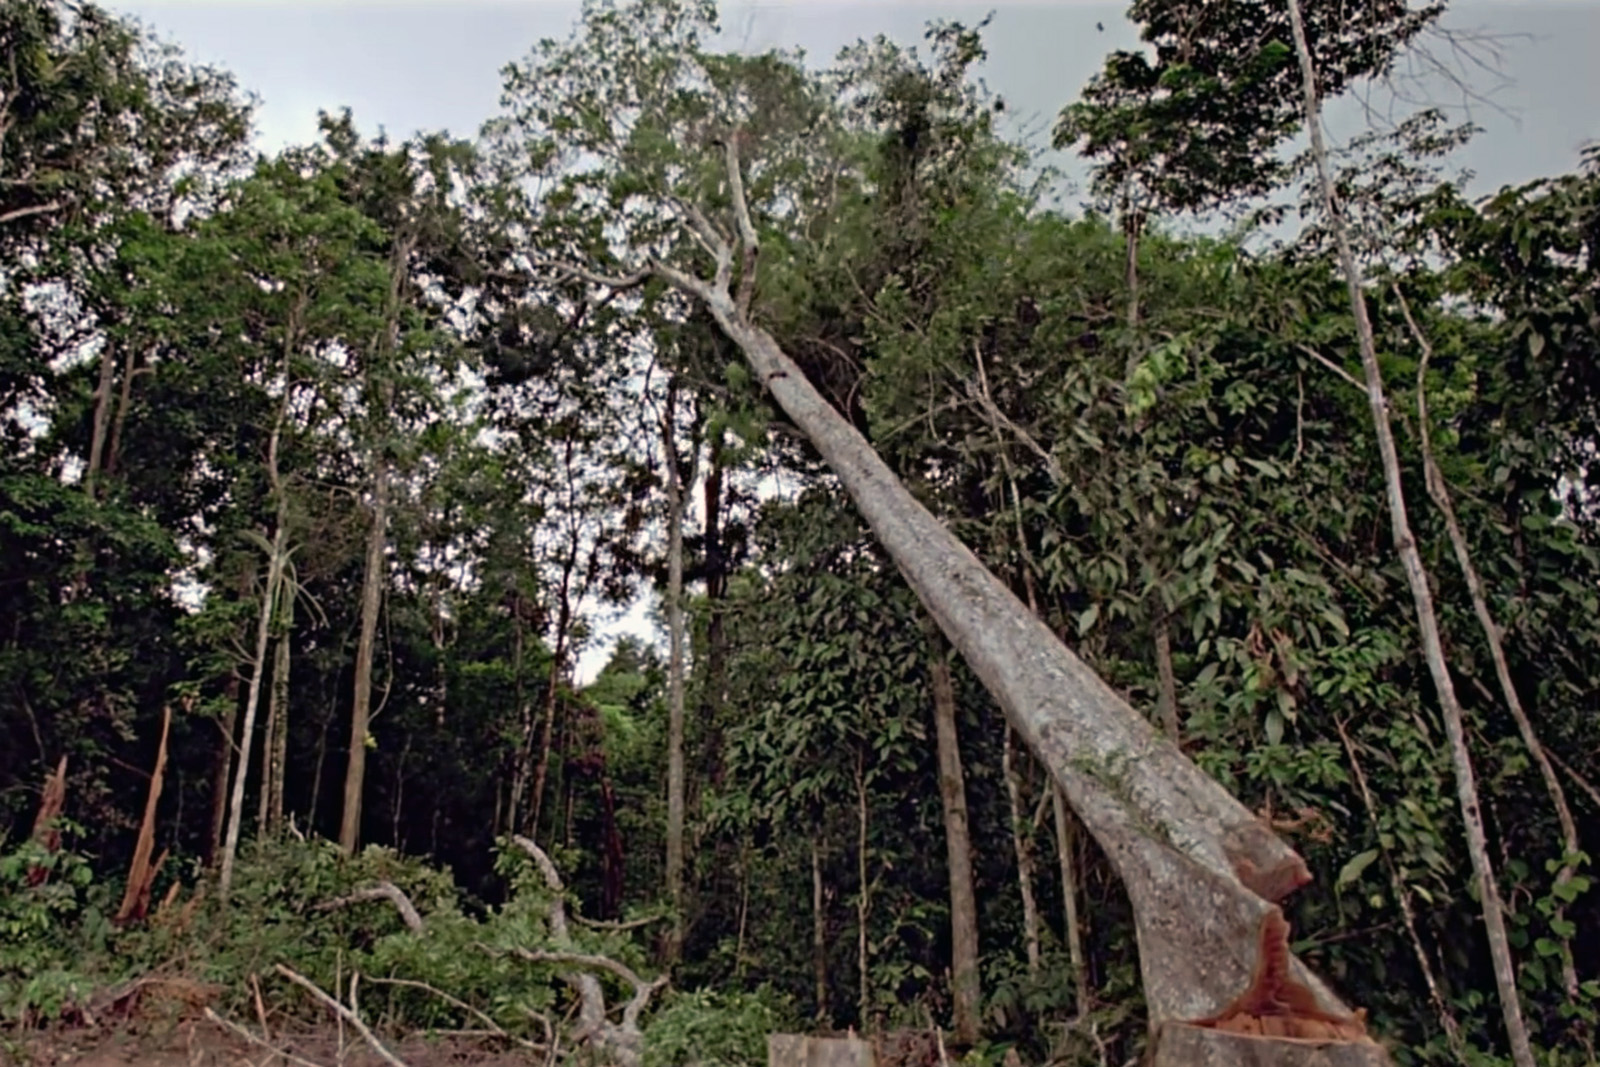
[[801, 1050], [1179, 1044]]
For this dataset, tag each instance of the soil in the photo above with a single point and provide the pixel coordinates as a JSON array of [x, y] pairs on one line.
[[203, 1044]]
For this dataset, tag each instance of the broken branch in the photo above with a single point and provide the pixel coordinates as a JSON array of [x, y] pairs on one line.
[[349, 1015], [382, 891]]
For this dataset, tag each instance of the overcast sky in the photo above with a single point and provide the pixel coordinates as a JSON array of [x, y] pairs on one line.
[[431, 66], [436, 66]]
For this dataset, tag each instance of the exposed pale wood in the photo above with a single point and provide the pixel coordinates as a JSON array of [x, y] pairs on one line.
[[801, 1050], [1178, 1044]]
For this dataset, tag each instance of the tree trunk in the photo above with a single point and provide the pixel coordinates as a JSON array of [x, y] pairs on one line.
[[120, 420], [541, 772], [676, 497], [219, 770], [381, 404], [1066, 857], [715, 691], [278, 735], [1182, 844], [280, 545], [371, 600], [520, 770], [864, 895], [1439, 490], [102, 420], [1505, 968], [819, 929], [276, 561], [1022, 846], [966, 989], [1167, 699]]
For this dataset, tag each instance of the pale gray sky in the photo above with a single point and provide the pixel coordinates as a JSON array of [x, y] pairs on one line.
[[422, 65], [433, 66]]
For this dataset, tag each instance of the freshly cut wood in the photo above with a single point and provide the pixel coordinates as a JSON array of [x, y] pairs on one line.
[[1179, 1044], [802, 1050], [141, 872]]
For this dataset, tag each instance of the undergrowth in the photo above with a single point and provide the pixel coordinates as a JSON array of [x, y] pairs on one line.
[[60, 951]]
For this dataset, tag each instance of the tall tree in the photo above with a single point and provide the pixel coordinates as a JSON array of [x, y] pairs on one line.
[[670, 147], [1416, 574]]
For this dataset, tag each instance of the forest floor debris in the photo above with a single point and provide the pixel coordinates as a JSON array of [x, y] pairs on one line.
[[203, 1044]]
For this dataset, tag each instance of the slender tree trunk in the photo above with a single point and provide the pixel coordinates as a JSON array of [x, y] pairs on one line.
[[397, 809], [552, 704], [1022, 845], [524, 751], [1439, 490], [966, 987], [1505, 969], [102, 420], [280, 545], [120, 420], [222, 763], [716, 571], [864, 896], [819, 929], [1066, 856], [380, 364], [268, 731], [320, 765], [371, 601], [276, 561], [278, 734], [558, 655], [1167, 700], [675, 673]]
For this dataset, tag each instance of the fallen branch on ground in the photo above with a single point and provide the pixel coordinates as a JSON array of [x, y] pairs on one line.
[[242, 1032], [494, 1028], [623, 1041], [349, 1014]]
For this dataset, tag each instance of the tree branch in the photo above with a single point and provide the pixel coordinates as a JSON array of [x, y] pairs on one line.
[[36, 209], [1000, 420], [349, 1015], [382, 891], [572, 270], [747, 232]]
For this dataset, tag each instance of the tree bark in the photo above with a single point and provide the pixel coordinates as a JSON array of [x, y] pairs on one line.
[[380, 363], [966, 988], [1416, 574], [1188, 851], [676, 497], [715, 692], [355, 774], [1022, 846], [1439, 490], [819, 929], [863, 895], [120, 420], [223, 762], [102, 420], [564, 612], [1167, 699], [278, 735], [1066, 857], [275, 561]]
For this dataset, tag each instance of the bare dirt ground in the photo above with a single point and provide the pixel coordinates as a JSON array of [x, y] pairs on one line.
[[202, 1044]]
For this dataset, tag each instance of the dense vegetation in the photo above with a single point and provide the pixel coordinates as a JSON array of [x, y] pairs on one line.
[[320, 469]]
